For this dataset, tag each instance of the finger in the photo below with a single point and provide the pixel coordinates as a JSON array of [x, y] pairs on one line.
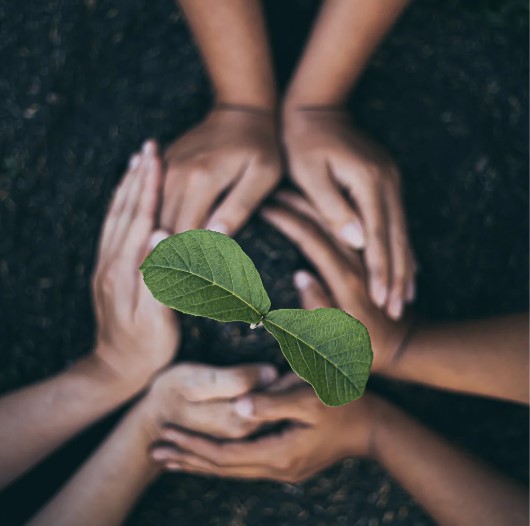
[[402, 270], [241, 201], [199, 382], [312, 294], [338, 213], [199, 197], [285, 382], [173, 194], [174, 460], [295, 202], [333, 268], [377, 253], [134, 193], [215, 418], [105, 246], [298, 404], [146, 301], [240, 453]]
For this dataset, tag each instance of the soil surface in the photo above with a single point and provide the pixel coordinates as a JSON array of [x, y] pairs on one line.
[[82, 85]]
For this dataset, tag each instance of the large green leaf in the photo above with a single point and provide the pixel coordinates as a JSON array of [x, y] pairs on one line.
[[327, 348], [207, 274]]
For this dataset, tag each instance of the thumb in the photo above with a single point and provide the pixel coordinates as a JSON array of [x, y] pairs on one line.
[[311, 292], [295, 404], [145, 298], [156, 237]]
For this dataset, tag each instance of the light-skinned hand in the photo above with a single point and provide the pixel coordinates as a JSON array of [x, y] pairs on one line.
[[136, 335], [316, 437], [201, 398]]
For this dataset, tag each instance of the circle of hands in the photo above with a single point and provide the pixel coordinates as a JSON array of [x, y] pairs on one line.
[[349, 223]]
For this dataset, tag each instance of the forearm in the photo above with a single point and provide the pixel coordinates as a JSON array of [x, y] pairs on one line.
[[342, 41], [38, 419], [104, 490], [486, 357], [232, 39], [452, 486]]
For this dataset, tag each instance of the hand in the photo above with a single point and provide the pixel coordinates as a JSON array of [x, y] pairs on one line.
[[327, 157], [316, 437], [234, 152], [201, 398], [342, 272], [136, 334]]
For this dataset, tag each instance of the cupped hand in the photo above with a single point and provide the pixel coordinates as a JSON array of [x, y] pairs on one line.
[[136, 335], [316, 437], [342, 272], [219, 172], [355, 186], [201, 398]]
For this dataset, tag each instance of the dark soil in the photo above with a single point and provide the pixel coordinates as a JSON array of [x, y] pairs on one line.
[[80, 88]]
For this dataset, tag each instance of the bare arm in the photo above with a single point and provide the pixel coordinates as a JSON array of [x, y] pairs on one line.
[[220, 170], [233, 42], [353, 182], [484, 357], [137, 336], [487, 357], [196, 396], [103, 491], [344, 38], [453, 487], [38, 419]]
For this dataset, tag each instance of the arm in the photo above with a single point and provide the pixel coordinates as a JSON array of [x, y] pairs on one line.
[[232, 39], [234, 151], [325, 76], [453, 487], [38, 419], [103, 491], [197, 396], [136, 337], [352, 182], [487, 357]]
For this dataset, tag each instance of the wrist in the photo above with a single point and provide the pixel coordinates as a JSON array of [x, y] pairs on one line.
[[395, 347], [264, 102], [383, 415], [110, 379], [363, 420], [294, 102]]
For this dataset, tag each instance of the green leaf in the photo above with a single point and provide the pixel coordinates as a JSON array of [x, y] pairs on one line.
[[326, 347], [207, 274]]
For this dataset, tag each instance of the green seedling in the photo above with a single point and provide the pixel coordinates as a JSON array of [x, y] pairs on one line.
[[205, 273]]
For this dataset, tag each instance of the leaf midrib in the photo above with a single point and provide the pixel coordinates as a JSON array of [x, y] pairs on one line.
[[316, 351], [187, 271]]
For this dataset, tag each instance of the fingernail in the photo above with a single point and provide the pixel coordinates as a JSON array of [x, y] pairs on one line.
[[156, 237], [379, 293], [218, 227], [395, 308], [352, 234], [159, 454], [171, 435], [172, 466], [268, 375], [148, 148], [134, 162], [244, 407], [302, 279]]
